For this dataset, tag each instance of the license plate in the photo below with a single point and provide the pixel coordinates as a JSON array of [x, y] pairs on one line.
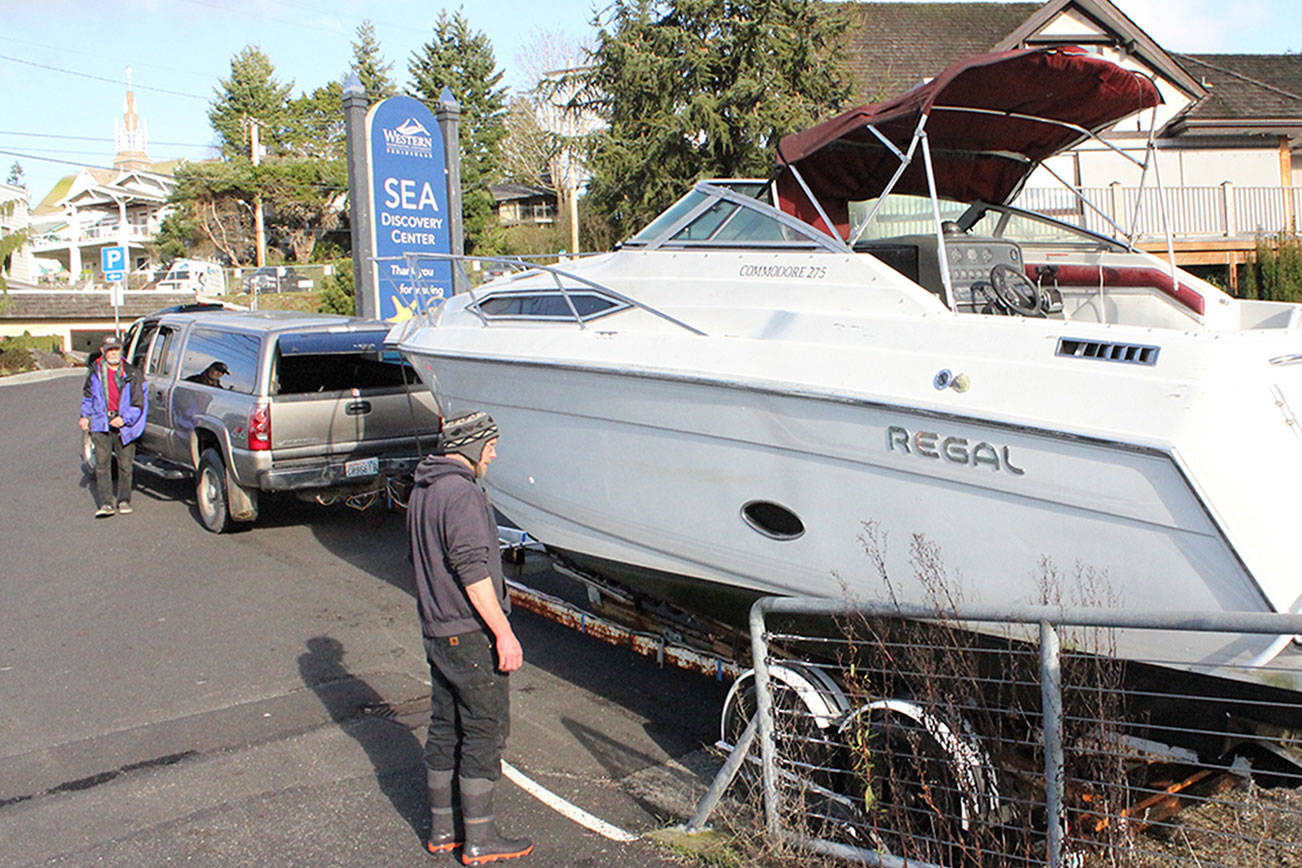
[[362, 467]]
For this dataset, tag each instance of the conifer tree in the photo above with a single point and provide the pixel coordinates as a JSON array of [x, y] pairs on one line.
[[369, 64], [250, 93], [701, 88], [462, 60]]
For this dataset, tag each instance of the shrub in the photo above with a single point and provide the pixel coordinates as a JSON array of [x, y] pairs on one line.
[[337, 295], [1276, 275]]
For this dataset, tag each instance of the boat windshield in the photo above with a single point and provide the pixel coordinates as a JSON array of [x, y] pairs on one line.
[[901, 215], [728, 213]]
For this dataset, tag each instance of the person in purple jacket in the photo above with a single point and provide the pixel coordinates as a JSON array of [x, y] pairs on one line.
[[114, 404]]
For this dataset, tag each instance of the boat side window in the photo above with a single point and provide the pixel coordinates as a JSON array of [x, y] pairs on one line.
[[548, 305], [902, 215], [1025, 228]]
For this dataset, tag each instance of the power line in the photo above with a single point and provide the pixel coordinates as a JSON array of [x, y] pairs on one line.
[[30, 156], [134, 64], [117, 81], [99, 139]]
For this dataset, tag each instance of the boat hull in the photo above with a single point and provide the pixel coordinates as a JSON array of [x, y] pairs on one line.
[[655, 470]]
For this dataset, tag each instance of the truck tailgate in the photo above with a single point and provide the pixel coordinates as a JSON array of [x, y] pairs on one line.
[[362, 421]]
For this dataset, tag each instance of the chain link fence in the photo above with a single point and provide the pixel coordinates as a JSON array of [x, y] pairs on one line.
[[901, 735]]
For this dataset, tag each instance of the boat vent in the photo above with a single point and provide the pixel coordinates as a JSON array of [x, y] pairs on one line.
[[773, 520], [1133, 354]]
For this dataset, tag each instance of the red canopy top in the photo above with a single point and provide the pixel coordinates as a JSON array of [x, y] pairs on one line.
[[975, 155]]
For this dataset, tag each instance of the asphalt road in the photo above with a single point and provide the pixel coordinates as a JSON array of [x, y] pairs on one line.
[[168, 695]]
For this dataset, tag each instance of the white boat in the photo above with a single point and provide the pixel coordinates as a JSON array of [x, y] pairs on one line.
[[737, 398]]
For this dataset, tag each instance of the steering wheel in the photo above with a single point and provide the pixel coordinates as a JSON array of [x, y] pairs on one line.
[[1015, 290]]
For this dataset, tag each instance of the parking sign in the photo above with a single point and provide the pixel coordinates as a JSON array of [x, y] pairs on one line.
[[113, 262]]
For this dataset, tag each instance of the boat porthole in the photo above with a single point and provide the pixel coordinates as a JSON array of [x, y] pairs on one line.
[[772, 520]]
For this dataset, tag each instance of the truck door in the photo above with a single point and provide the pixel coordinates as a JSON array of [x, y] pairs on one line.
[[160, 368]]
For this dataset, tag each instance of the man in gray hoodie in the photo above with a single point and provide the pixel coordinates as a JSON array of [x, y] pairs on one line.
[[471, 648]]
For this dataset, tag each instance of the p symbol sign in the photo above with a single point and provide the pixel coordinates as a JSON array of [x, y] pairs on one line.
[[113, 262]]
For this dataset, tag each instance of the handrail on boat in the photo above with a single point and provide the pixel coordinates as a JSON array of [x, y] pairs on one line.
[[556, 273]]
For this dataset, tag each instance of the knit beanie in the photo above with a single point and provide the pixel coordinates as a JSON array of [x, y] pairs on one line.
[[467, 435]]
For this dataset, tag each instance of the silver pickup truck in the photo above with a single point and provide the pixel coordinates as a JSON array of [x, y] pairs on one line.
[[275, 401]]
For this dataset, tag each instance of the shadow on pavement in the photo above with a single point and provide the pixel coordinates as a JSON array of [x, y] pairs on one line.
[[394, 751]]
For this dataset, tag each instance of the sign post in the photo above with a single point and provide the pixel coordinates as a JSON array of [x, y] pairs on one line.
[[113, 263], [359, 205]]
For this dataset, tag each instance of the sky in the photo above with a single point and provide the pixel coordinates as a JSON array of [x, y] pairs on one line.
[[62, 62]]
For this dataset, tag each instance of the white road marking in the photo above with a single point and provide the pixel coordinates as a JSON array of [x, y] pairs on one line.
[[564, 808]]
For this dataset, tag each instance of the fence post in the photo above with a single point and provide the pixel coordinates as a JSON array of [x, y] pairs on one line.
[[764, 711], [1227, 207], [1051, 706]]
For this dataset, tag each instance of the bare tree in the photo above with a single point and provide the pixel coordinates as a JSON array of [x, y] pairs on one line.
[[546, 137]]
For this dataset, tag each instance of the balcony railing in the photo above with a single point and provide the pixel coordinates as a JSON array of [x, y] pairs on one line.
[[99, 233], [1226, 211]]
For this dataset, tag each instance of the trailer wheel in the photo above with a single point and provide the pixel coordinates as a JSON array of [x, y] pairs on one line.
[[807, 708], [913, 773]]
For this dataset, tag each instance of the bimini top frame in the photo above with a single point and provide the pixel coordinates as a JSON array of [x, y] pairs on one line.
[[982, 126]]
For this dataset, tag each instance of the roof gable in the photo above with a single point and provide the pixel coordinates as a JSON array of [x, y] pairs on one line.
[[1099, 21]]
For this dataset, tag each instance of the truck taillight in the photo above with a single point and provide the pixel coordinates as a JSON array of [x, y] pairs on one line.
[[260, 427]]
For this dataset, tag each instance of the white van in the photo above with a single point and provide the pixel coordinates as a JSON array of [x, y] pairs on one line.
[[194, 275]]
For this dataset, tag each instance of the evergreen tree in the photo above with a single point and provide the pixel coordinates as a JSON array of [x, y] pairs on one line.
[[462, 60], [251, 93], [315, 124], [17, 178], [369, 64], [701, 88]]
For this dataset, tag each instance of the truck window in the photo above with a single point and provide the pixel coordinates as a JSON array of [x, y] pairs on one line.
[[141, 350], [162, 355], [221, 360], [336, 372]]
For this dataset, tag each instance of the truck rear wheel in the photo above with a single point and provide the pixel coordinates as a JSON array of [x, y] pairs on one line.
[[210, 492]]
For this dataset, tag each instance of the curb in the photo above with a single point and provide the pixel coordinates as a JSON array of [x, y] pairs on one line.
[[38, 376]]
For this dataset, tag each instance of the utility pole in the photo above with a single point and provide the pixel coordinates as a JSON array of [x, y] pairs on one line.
[[255, 154]]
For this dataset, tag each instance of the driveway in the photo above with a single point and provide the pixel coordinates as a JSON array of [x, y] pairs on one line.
[[258, 698]]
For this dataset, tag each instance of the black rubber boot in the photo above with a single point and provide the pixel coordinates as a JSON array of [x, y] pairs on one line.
[[443, 819], [483, 842]]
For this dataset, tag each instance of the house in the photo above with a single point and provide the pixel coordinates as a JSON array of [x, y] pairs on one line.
[[1228, 133], [523, 205], [14, 218], [94, 208]]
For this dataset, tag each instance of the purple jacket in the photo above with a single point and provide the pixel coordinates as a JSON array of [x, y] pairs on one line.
[[133, 400]]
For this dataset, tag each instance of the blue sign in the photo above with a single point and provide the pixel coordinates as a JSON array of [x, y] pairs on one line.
[[113, 262], [409, 195]]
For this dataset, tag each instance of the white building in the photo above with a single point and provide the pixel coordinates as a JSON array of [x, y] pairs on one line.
[[14, 218], [94, 208]]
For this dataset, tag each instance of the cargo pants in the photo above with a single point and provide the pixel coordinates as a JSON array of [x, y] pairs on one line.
[[469, 706]]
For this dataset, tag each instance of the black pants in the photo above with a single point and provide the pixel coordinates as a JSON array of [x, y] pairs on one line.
[[470, 706], [109, 445]]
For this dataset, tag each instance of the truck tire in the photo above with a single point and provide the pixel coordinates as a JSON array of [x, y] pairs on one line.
[[210, 492]]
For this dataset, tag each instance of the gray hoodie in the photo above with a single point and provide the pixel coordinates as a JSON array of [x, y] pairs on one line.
[[453, 544]]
